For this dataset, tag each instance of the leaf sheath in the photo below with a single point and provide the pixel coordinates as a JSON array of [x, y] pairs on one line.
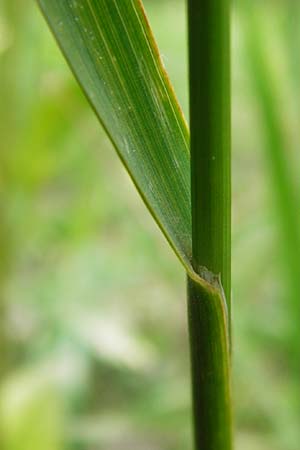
[[209, 350]]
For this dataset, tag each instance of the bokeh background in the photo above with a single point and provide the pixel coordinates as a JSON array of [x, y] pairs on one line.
[[93, 329]]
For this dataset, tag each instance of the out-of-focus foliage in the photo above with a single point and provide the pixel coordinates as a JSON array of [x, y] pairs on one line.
[[92, 297], [30, 412]]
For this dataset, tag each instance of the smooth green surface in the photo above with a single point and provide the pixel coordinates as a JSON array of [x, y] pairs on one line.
[[111, 51], [209, 45], [209, 322], [209, 349]]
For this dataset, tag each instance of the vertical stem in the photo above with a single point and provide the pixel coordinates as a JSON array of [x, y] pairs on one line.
[[210, 364], [209, 47], [209, 310]]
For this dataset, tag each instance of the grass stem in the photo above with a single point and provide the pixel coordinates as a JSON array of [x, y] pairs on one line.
[[209, 78], [210, 364], [209, 309]]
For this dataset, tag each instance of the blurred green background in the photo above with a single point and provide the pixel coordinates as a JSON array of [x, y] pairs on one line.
[[93, 334]]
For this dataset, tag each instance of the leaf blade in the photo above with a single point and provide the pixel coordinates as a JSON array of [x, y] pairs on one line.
[[112, 53]]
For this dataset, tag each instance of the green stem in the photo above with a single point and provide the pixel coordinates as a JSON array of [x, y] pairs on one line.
[[209, 46], [209, 346], [209, 301]]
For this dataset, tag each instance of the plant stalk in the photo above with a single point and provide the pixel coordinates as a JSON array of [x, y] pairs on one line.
[[209, 302], [209, 80], [210, 368]]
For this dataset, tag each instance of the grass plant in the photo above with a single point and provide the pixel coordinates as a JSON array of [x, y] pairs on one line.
[[112, 53]]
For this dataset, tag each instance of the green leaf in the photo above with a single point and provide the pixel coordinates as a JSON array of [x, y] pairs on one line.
[[111, 50]]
